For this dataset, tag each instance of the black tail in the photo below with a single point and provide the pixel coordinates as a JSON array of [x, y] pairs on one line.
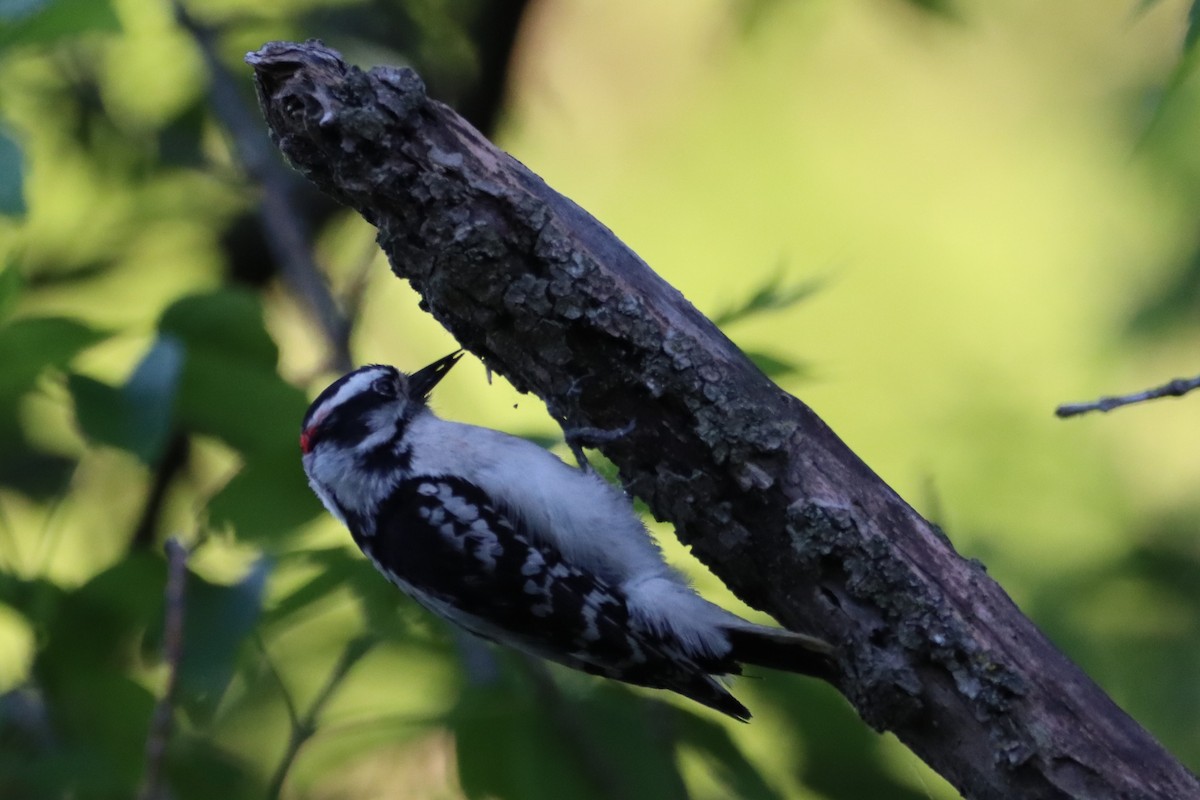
[[760, 646], [784, 650], [709, 691]]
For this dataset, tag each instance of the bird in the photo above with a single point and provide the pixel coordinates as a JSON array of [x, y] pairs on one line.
[[503, 538]]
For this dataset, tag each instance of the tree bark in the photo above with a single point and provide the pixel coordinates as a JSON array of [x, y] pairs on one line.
[[762, 490]]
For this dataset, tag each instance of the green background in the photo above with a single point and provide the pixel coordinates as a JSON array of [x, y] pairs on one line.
[[954, 216]]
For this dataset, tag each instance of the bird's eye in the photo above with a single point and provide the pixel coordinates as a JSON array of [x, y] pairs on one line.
[[384, 386]]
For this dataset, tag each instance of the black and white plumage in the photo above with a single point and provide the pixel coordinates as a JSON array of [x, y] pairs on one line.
[[502, 538]]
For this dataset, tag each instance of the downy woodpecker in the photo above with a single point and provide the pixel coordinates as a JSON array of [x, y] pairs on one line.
[[503, 538]]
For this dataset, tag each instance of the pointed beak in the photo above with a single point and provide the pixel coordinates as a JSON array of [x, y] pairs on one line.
[[421, 382]]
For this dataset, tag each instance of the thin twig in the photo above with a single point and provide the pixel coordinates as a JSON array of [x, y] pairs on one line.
[[160, 724], [288, 702], [1176, 388], [172, 462], [288, 241], [305, 727]]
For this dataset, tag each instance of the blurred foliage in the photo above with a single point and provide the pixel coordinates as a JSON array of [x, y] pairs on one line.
[[155, 363]]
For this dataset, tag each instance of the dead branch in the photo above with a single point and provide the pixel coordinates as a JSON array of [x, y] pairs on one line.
[[760, 488]]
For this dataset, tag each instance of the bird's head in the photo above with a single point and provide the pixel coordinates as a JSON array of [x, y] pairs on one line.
[[366, 409]]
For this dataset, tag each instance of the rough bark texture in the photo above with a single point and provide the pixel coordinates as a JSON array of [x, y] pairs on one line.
[[761, 489]]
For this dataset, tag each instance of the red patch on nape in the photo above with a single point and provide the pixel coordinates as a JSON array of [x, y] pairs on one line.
[[306, 441]]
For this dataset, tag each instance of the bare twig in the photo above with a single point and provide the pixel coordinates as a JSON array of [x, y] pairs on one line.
[[285, 235], [1176, 388], [172, 462], [305, 727], [160, 723], [288, 702]]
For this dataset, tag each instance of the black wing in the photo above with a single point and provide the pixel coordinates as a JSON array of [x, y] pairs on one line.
[[443, 541]]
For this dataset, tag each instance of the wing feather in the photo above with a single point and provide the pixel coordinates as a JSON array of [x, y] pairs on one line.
[[441, 540]]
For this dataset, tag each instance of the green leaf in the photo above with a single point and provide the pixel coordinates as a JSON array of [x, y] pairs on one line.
[[774, 367], [942, 8], [1193, 26], [1193, 18], [151, 391], [605, 743], [227, 322], [267, 499], [11, 284], [245, 405], [30, 22], [101, 412], [92, 642], [12, 177], [217, 621], [229, 389], [136, 417], [728, 764], [531, 761], [29, 346], [770, 296], [842, 756], [180, 141], [198, 769], [336, 567]]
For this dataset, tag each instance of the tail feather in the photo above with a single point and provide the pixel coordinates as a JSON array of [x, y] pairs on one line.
[[784, 650], [709, 691]]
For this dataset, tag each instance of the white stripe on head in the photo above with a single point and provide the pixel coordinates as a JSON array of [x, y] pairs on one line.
[[356, 383]]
